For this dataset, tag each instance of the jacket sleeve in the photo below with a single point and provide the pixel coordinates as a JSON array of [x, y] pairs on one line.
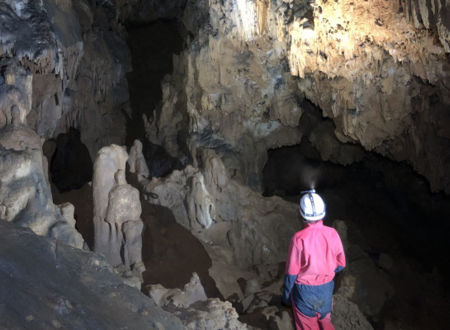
[[340, 255], [292, 270]]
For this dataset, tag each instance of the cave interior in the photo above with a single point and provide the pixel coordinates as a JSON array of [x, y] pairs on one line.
[[247, 93]]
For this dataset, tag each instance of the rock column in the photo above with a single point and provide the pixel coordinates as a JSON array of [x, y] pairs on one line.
[[117, 211]]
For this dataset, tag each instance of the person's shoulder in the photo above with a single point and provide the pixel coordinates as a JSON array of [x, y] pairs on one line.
[[299, 234], [330, 230]]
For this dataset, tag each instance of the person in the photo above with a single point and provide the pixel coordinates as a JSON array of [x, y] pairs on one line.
[[315, 255]]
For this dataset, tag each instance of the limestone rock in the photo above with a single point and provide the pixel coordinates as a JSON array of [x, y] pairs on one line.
[[193, 307], [67, 288], [364, 284], [357, 62], [137, 162], [346, 315], [256, 229], [15, 94], [277, 319], [66, 73], [193, 292], [171, 192], [64, 231], [284, 321], [110, 159], [201, 207], [117, 211], [211, 314], [375, 105], [247, 90], [362, 281], [247, 230], [25, 197]]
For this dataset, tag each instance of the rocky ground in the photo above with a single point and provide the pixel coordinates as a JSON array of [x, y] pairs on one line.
[[45, 284]]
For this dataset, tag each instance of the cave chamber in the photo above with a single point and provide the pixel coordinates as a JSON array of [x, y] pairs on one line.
[[168, 143]]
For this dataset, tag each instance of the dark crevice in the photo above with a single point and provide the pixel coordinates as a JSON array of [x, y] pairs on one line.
[[71, 164], [152, 47]]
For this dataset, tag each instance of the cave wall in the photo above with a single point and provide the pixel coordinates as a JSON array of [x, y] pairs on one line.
[[382, 78], [249, 66], [63, 65], [76, 58]]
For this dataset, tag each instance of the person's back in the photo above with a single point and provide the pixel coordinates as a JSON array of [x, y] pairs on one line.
[[321, 253], [315, 254]]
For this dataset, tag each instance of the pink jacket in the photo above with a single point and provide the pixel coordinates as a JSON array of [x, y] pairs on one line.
[[315, 253]]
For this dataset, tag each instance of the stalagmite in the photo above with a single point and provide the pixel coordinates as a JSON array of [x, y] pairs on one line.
[[123, 216], [136, 161], [201, 208], [117, 211]]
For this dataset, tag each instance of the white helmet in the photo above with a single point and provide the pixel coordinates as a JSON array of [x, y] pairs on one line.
[[312, 206]]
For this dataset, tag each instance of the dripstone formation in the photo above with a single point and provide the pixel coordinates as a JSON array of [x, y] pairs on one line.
[[117, 211]]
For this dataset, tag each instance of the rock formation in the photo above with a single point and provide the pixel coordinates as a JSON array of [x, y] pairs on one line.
[[254, 229], [363, 283], [193, 292], [48, 285], [25, 196], [377, 74], [55, 74], [137, 162], [117, 211], [75, 70], [194, 309]]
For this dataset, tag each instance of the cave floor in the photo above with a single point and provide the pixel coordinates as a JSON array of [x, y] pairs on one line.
[[170, 252]]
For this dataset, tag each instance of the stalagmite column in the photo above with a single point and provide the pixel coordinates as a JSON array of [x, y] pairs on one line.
[[117, 211], [125, 226], [137, 162]]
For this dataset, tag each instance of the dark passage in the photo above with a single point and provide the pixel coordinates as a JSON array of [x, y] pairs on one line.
[[71, 164], [388, 208], [152, 46]]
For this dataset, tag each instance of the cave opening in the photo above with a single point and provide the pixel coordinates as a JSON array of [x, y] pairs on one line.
[[70, 174], [70, 162], [170, 253], [152, 46], [389, 210]]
